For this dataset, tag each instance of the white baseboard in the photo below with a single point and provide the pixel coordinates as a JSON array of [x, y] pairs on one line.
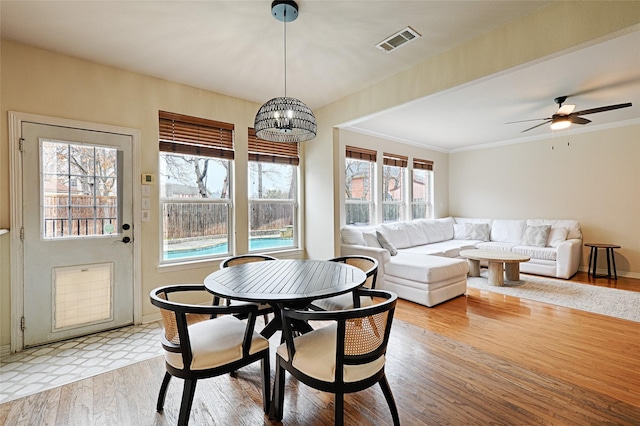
[[626, 274], [5, 350], [146, 319]]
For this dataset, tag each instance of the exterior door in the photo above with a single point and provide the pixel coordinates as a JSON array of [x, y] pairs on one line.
[[77, 217]]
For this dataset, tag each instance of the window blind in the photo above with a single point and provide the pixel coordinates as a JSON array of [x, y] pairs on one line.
[[272, 152], [184, 134], [360, 153], [422, 164], [394, 160]]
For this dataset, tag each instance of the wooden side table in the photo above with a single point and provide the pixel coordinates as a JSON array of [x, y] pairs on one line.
[[593, 259]]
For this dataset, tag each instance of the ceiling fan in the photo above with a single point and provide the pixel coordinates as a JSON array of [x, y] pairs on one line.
[[565, 115]]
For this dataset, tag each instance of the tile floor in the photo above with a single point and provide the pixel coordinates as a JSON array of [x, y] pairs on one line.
[[38, 369]]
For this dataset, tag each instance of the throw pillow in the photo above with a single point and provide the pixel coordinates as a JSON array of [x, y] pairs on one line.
[[477, 231], [386, 244], [536, 236], [458, 231], [556, 236], [371, 239], [352, 236]]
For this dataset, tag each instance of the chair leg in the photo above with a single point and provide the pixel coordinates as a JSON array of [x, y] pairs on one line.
[[386, 390], [188, 392], [266, 382], [163, 391], [277, 401], [338, 401]]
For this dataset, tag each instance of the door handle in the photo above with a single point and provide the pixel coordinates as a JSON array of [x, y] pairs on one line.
[[126, 240]]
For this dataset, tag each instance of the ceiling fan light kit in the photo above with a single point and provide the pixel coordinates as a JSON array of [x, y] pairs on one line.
[[285, 119], [564, 117]]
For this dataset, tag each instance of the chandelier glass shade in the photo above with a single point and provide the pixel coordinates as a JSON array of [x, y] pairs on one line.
[[285, 119]]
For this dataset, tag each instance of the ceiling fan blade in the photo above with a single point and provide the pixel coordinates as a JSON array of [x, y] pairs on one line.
[[537, 125], [565, 109], [602, 109], [579, 120], [524, 121]]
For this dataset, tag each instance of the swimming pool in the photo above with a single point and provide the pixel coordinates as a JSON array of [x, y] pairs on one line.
[[254, 244]]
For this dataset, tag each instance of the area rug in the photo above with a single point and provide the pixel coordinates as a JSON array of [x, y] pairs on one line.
[[600, 300]]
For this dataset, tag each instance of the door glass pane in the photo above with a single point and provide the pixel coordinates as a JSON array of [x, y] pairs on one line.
[[79, 190]]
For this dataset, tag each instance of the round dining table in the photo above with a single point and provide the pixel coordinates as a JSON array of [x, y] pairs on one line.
[[284, 284]]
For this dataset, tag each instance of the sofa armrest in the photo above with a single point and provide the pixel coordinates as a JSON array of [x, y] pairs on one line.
[[379, 254], [568, 258]]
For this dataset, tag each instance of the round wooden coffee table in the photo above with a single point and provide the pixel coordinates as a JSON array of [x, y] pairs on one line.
[[498, 260]]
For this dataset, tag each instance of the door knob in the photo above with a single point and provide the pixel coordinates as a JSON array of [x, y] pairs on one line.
[[126, 240], [126, 226]]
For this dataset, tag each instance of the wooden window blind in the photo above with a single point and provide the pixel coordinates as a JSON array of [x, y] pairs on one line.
[[422, 164], [360, 153], [394, 160], [273, 152], [184, 134]]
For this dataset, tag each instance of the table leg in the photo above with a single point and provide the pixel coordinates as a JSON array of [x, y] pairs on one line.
[[613, 260], [474, 267], [590, 260], [609, 253], [512, 271], [496, 276], [595, 262]]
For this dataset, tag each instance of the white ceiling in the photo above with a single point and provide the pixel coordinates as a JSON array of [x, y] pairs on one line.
[[236, 48]]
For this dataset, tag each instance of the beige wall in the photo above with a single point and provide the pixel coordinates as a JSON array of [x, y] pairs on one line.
[[591, 177], [40, 82]]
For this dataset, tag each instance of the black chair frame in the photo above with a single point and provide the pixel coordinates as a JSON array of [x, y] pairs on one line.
[[184, 347], [338, 387]]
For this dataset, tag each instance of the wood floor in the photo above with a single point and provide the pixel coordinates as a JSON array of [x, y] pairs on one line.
[[479, 359]]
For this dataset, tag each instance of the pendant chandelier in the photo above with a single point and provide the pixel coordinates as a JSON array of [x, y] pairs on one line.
[[285, 119]]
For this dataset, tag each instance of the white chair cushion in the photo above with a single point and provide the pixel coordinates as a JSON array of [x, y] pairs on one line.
[[341, 302], [556, 236], [371, 239], [416, 233], [216, 342], [507, 230], [316, 357]]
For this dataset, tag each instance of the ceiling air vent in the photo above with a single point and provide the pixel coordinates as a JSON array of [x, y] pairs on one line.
[[398, 39]]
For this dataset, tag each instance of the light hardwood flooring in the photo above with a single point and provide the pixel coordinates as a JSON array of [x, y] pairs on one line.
[[478, 359]]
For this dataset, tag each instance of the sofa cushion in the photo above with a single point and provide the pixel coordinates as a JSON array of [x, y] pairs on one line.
[[352, 236], [536, 236], [507, 231], [432, 229], [573, 226], [556, 236], [386, 244], [477, 231], [395, 233], [426, 269], [495, 245], [417, 236], [446, 224], [545, 253], [371, 239]]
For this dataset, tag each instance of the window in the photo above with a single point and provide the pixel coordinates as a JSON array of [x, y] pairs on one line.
[[394, 171], [79, 189], [196, 156], [273, 193], [422, 189], [359, 176]]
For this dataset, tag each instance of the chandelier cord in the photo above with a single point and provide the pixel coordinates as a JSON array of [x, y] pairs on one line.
[[284, 21]]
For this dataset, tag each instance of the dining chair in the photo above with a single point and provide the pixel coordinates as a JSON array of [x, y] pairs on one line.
[[206, 348], [345, 301], [263, 308], [345, 356]]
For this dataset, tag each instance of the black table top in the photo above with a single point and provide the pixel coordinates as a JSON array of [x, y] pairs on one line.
[[282, 281]]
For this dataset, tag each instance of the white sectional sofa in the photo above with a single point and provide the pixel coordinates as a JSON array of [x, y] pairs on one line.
[[419, 259]]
